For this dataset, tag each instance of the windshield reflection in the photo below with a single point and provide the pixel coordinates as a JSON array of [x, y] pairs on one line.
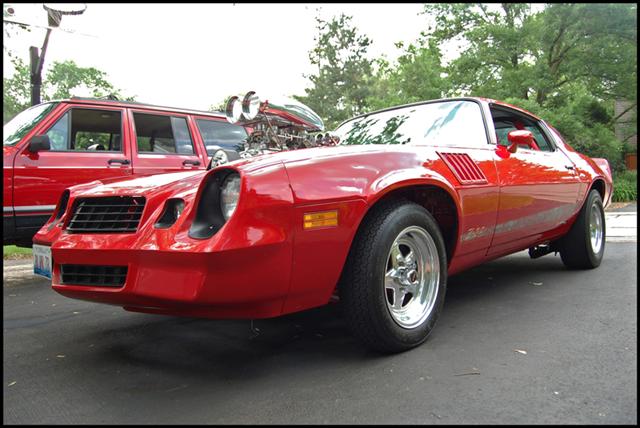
[[441, 123]]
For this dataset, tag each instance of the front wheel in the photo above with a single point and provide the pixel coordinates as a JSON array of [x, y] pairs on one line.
[[583, 246], [394, 281]]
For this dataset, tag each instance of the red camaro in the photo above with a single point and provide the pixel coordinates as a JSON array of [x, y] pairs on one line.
[[375, 215]]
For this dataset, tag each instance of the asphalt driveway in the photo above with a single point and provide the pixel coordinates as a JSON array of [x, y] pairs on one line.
[[519, 341]]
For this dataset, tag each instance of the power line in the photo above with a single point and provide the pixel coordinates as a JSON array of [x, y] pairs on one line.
[[46, 27]]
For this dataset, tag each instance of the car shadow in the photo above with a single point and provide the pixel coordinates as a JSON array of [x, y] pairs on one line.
[[230, 350]]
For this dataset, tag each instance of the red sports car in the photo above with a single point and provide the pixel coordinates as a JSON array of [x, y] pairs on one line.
[[375, 215]]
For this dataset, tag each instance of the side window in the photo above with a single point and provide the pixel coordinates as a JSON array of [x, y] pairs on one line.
[[162, 134], [541, 140], [59, 133], [505, 122], [222, 134], [87, 130]]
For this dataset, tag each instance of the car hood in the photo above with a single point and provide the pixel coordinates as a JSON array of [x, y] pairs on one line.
[[140, 185], [302, 155], [186, 183]]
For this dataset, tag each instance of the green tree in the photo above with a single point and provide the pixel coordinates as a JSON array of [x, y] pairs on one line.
[[417, 75], [61, 81], [511, 51], [567, 62], [15, 91], [219, 106], [497, 46], [341, 86]]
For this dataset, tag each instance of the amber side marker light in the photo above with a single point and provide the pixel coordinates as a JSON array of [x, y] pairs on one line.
[[320, 219]]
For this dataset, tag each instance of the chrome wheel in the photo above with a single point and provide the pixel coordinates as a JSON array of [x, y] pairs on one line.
[[596, 227], [411, 277]]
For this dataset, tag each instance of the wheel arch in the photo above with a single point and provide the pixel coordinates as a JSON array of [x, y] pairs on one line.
[[599, 184], [437, 197]]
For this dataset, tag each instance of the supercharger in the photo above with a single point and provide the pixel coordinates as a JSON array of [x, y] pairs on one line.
[[273, 125]]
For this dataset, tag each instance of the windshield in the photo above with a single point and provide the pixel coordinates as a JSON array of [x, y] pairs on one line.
[[448, 123], [24, 122]]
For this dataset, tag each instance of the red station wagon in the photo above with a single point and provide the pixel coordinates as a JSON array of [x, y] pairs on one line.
[[54, 145]]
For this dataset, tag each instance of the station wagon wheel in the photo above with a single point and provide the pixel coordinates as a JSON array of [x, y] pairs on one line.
[[394, 281], [583, 246]]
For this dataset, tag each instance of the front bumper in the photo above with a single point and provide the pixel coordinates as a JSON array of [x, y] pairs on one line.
[[249, 282]]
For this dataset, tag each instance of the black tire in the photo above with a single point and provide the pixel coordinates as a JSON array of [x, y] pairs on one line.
[[362, 286], [576, 249]]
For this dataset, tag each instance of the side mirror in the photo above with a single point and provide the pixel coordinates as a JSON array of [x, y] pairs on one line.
[[519, 137], [39, 143]]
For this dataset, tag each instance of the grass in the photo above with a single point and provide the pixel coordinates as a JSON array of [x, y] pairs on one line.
[[13, 252], [625, 186]]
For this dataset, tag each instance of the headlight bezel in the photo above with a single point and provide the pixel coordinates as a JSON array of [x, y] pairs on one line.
[[209, 217]]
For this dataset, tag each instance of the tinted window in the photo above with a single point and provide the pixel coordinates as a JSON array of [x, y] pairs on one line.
[[87, 130], [221, 134], [448, 123], [162, 134], [24, 122]]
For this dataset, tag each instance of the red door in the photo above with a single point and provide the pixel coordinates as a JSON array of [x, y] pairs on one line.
[[86, 145], [164, 142], [538, 189]]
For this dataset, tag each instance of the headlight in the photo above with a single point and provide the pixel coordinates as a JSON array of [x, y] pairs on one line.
[[229, 195]]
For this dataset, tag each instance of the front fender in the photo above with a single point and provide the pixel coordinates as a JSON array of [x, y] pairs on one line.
[[349, 183], [420, 176]]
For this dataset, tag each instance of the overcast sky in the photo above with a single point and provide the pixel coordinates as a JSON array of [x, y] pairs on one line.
[[195, 55]]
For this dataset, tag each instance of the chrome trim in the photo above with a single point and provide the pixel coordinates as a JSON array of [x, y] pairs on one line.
[[27, 208]]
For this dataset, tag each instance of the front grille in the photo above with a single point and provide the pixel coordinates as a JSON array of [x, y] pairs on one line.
[[99, 276], [117, 214]]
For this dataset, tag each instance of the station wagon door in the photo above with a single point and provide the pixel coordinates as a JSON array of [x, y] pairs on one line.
[[86, 145]]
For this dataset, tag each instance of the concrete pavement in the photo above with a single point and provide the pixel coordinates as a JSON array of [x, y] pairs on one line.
[[622, 223]]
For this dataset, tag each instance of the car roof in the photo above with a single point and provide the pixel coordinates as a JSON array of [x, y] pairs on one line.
[[476, 99], [121, 103], [502, 103]]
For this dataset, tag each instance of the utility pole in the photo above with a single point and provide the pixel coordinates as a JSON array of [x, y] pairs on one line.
[[54, 15], [37, 61]]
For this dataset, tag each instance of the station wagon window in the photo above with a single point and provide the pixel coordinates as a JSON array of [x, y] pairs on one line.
[[216, 133], [87, 130], [447, 123], [162, 134]]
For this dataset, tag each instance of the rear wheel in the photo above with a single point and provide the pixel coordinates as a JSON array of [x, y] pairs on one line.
[[394, 281], [583, 246]]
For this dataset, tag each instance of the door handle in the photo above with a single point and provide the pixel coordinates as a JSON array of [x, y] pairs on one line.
[[569, 167], [120, 161], [191, 162]]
